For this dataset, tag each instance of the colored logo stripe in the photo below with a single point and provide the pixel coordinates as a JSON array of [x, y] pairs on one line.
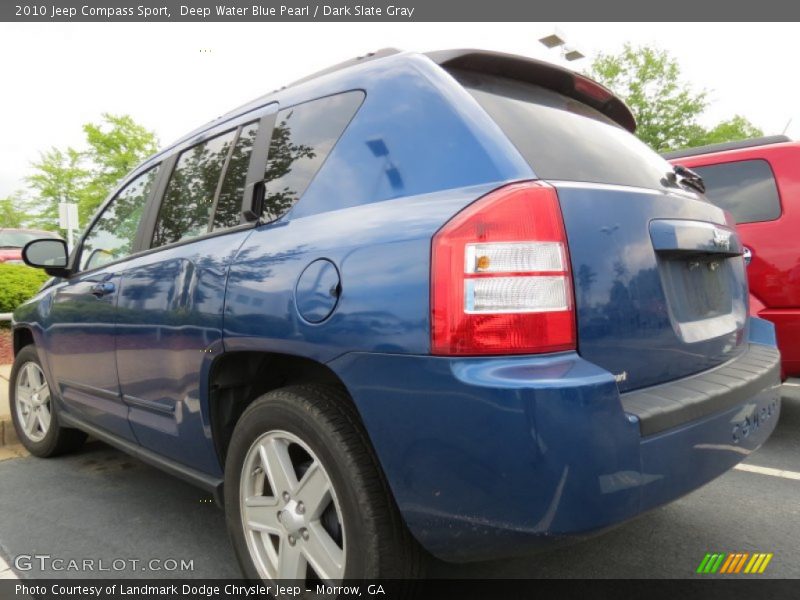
[[758, 563], [734, 562], [729, 562], [711, 563]]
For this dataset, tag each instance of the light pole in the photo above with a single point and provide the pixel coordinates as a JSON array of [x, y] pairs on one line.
[[68, 219], [558, 41]]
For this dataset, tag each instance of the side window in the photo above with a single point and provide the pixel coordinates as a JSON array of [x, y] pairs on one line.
[[111, 237], [189, 199], [229, 204], [303, 137], [746, 188]]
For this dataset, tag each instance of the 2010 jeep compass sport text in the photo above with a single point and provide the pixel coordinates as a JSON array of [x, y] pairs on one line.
[[413, 304]]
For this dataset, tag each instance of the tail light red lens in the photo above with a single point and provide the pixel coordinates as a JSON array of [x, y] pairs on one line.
[[500, 276]]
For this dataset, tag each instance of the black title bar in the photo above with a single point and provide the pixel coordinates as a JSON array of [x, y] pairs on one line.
[[396, 11]]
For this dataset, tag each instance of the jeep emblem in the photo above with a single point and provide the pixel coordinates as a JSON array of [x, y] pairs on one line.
[[722, 239]]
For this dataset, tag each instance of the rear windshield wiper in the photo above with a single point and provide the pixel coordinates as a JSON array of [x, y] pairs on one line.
[[690, 178]]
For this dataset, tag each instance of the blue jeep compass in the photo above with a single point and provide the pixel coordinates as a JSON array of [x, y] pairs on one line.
[[414, 304]]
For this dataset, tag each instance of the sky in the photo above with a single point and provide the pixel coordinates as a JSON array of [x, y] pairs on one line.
[[174, 77]]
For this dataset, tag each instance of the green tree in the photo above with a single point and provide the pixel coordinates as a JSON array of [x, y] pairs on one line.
[[11, 211], [737, 128], [58, 177], [667, 109], [115, 147]]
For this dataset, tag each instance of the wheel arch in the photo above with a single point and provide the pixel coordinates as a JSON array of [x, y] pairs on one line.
[[237, 378], [23, 336]]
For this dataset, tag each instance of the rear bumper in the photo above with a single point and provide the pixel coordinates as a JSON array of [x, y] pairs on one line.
[[492, 457], [787, 329], [663, 407]]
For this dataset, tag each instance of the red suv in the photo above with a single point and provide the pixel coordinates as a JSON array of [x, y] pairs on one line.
[[758, 180], [13, 240]]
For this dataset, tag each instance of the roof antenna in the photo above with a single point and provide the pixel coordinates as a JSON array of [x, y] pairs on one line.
[[789, 122]]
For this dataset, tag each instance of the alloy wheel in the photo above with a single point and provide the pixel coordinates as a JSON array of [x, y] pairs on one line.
[[33, 402], [290, 514]]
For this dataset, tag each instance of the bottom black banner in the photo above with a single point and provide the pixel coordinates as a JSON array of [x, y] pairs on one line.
[[218, 589]]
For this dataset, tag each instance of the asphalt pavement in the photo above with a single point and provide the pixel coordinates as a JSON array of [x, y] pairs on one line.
[[102, 506]]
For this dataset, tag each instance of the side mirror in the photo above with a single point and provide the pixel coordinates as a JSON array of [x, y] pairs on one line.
[[48, 254]]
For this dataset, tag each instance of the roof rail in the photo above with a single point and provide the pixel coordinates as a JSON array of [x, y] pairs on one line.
[[759, 141], [550, 76], [348, 63]]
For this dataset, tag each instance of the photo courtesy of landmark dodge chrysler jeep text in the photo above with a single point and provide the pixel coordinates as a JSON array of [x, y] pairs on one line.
[[412, 304]]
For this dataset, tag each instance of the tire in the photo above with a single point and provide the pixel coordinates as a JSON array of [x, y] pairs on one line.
[[43, 435], [316, 426]]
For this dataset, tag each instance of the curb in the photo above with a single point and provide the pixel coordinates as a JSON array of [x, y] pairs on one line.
[[8, 435]]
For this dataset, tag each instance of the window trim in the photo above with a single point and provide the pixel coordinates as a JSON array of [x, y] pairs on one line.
[[177, 156], [258, 164], [212, 215], [75, 259], [165, 161], [260, 115]]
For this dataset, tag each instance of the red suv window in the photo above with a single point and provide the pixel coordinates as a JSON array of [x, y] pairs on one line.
[[746, 188]]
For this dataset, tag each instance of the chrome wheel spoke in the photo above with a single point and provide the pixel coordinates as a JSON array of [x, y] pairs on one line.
[[24, 397], [43, 417], [278, 465], [270, 552], [30, 423], [324, 554], [314, 491], [33, 376], [291, 562], [260, 513]]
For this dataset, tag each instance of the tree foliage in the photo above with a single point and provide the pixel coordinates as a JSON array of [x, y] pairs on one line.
[[667, 109], [11, 211], [113, 147], [58, 177], [736, 128]]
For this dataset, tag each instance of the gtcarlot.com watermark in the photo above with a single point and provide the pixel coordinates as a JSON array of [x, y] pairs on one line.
[[48, 562]]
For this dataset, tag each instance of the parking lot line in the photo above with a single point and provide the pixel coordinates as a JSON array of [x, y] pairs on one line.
[[769, 471]]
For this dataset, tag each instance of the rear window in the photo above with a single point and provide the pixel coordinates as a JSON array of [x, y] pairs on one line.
[[746, 188], [563, 139]]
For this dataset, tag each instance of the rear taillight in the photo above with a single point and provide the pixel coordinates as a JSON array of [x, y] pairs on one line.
[[500, 276]]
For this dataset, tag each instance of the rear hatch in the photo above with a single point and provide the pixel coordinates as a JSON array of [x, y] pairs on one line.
[[660, 286]]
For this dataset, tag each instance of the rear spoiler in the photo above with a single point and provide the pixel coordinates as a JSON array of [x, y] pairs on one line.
[[540, 73]]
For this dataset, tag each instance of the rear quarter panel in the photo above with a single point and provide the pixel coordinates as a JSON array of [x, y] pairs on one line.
[[418, 151]]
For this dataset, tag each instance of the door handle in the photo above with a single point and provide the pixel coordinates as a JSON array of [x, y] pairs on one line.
[[747, 254], [102, 289]]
